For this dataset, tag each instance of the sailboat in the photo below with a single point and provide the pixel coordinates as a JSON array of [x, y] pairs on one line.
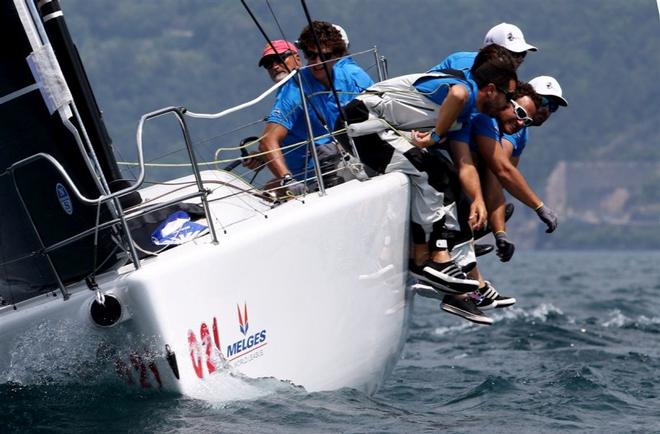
[[312, 292]]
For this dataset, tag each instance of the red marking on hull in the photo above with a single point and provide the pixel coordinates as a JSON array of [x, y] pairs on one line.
[[195, 354]]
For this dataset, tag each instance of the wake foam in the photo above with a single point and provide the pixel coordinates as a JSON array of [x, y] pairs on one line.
[[618, 320], [52, 352], [226, 386], [542, 313]]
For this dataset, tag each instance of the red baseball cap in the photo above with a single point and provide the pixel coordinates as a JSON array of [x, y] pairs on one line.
[[281, 47]]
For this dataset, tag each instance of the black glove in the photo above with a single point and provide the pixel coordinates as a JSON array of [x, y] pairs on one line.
[[505, 248], [290, 185], [548, 217]]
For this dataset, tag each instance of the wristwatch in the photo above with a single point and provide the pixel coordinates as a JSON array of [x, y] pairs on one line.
[[435, 137]]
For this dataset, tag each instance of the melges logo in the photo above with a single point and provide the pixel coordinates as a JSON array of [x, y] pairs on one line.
[[249, 341], [207, 350]]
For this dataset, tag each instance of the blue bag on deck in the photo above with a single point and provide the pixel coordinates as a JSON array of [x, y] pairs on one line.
[[177, 229]]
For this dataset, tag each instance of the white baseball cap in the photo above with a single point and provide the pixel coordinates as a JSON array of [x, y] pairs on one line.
[[344, 35], [547, 86], [508, 36]]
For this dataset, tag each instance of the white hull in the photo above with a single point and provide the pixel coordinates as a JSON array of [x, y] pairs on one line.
[[314, 294]]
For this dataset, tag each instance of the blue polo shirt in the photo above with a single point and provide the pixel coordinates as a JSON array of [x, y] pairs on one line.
[[436, 89], [484, 125], [349, 80], [518, 140], [459, 60]]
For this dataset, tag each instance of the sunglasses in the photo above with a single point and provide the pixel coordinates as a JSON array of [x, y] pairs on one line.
[[273, 59], [519, 55], [521, 114], [551, 105], [309, 55]]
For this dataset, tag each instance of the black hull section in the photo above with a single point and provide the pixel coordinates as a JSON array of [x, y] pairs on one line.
[[36, 195]]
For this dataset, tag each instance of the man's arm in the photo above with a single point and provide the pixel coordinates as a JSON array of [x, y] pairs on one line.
[[448, 112], [508, 175], [494, 198], [469, 177], [496, 207], [272, 137], [511, 178], [493, 195]]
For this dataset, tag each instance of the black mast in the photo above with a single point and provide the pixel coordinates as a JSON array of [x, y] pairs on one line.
[[74, 72]]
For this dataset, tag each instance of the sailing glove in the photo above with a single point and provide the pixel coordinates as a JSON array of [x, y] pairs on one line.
[[548, 217], [505, 248]]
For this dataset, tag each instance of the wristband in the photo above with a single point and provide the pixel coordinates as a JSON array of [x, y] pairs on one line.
[[539, 207]]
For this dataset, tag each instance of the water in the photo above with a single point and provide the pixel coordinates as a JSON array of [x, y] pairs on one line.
[[579, 352]]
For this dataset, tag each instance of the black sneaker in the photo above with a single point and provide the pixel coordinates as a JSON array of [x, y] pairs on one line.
[[491, 293], [508, 212], [483, 303], [446, 276], [422, 287], [465, 308], [483, 249]]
